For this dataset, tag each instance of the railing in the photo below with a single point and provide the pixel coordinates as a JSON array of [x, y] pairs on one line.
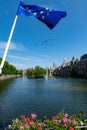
[[81, 128]]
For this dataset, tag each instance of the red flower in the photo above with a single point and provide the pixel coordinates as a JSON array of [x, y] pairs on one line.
[[31, 122], [25, 119], [71, 128]]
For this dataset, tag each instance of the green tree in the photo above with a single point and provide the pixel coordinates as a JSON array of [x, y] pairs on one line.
[[20, 72], [37, 72], [12, 69], [30, 73], [8, 68]]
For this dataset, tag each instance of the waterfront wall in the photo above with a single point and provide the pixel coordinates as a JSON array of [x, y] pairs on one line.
[[4, 77]]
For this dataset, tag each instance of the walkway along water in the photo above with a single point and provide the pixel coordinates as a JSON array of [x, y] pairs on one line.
[[4, 77]]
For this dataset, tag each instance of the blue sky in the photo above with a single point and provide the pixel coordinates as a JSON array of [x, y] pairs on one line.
[[33, 43]]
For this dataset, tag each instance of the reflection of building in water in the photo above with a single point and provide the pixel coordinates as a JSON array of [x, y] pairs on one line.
[[24, 72], [46, 73]]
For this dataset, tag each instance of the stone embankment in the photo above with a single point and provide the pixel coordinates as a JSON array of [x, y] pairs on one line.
[[4, 77]]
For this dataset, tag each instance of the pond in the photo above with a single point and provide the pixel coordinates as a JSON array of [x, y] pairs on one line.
[[43, 97]]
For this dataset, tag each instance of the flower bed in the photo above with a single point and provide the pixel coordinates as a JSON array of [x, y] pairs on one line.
[[61, 121]]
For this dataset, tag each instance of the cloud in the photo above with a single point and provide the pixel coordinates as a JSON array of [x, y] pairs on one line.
[[13, 46], [28, 58], [45, 56], [2, 45], [18, 65], [25, 62], [19, 58]]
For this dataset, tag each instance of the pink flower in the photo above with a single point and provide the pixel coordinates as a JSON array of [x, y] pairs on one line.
[[33, 115], [65, 120], [27, 126], [22, 116], [39, 126], [66, 115], [59, 121], [21, 127], [45, 121], [74, 122], [54, 117], [65, 124]]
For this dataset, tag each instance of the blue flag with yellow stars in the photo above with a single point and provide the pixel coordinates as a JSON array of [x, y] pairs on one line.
[[48, 16]]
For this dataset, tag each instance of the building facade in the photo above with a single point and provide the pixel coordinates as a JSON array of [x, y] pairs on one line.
[[74, 68]]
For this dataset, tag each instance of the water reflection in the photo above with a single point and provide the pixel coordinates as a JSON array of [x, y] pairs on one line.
[[43, 97], [4, 86]]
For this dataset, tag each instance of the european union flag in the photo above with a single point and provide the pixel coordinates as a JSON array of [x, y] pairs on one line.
[[48, 16]]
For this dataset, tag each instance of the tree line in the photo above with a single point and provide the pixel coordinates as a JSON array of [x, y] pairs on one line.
[[10, 69], [37, 72]]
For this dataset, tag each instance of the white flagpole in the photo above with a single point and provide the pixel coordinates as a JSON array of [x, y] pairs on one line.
[[8, 44]]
